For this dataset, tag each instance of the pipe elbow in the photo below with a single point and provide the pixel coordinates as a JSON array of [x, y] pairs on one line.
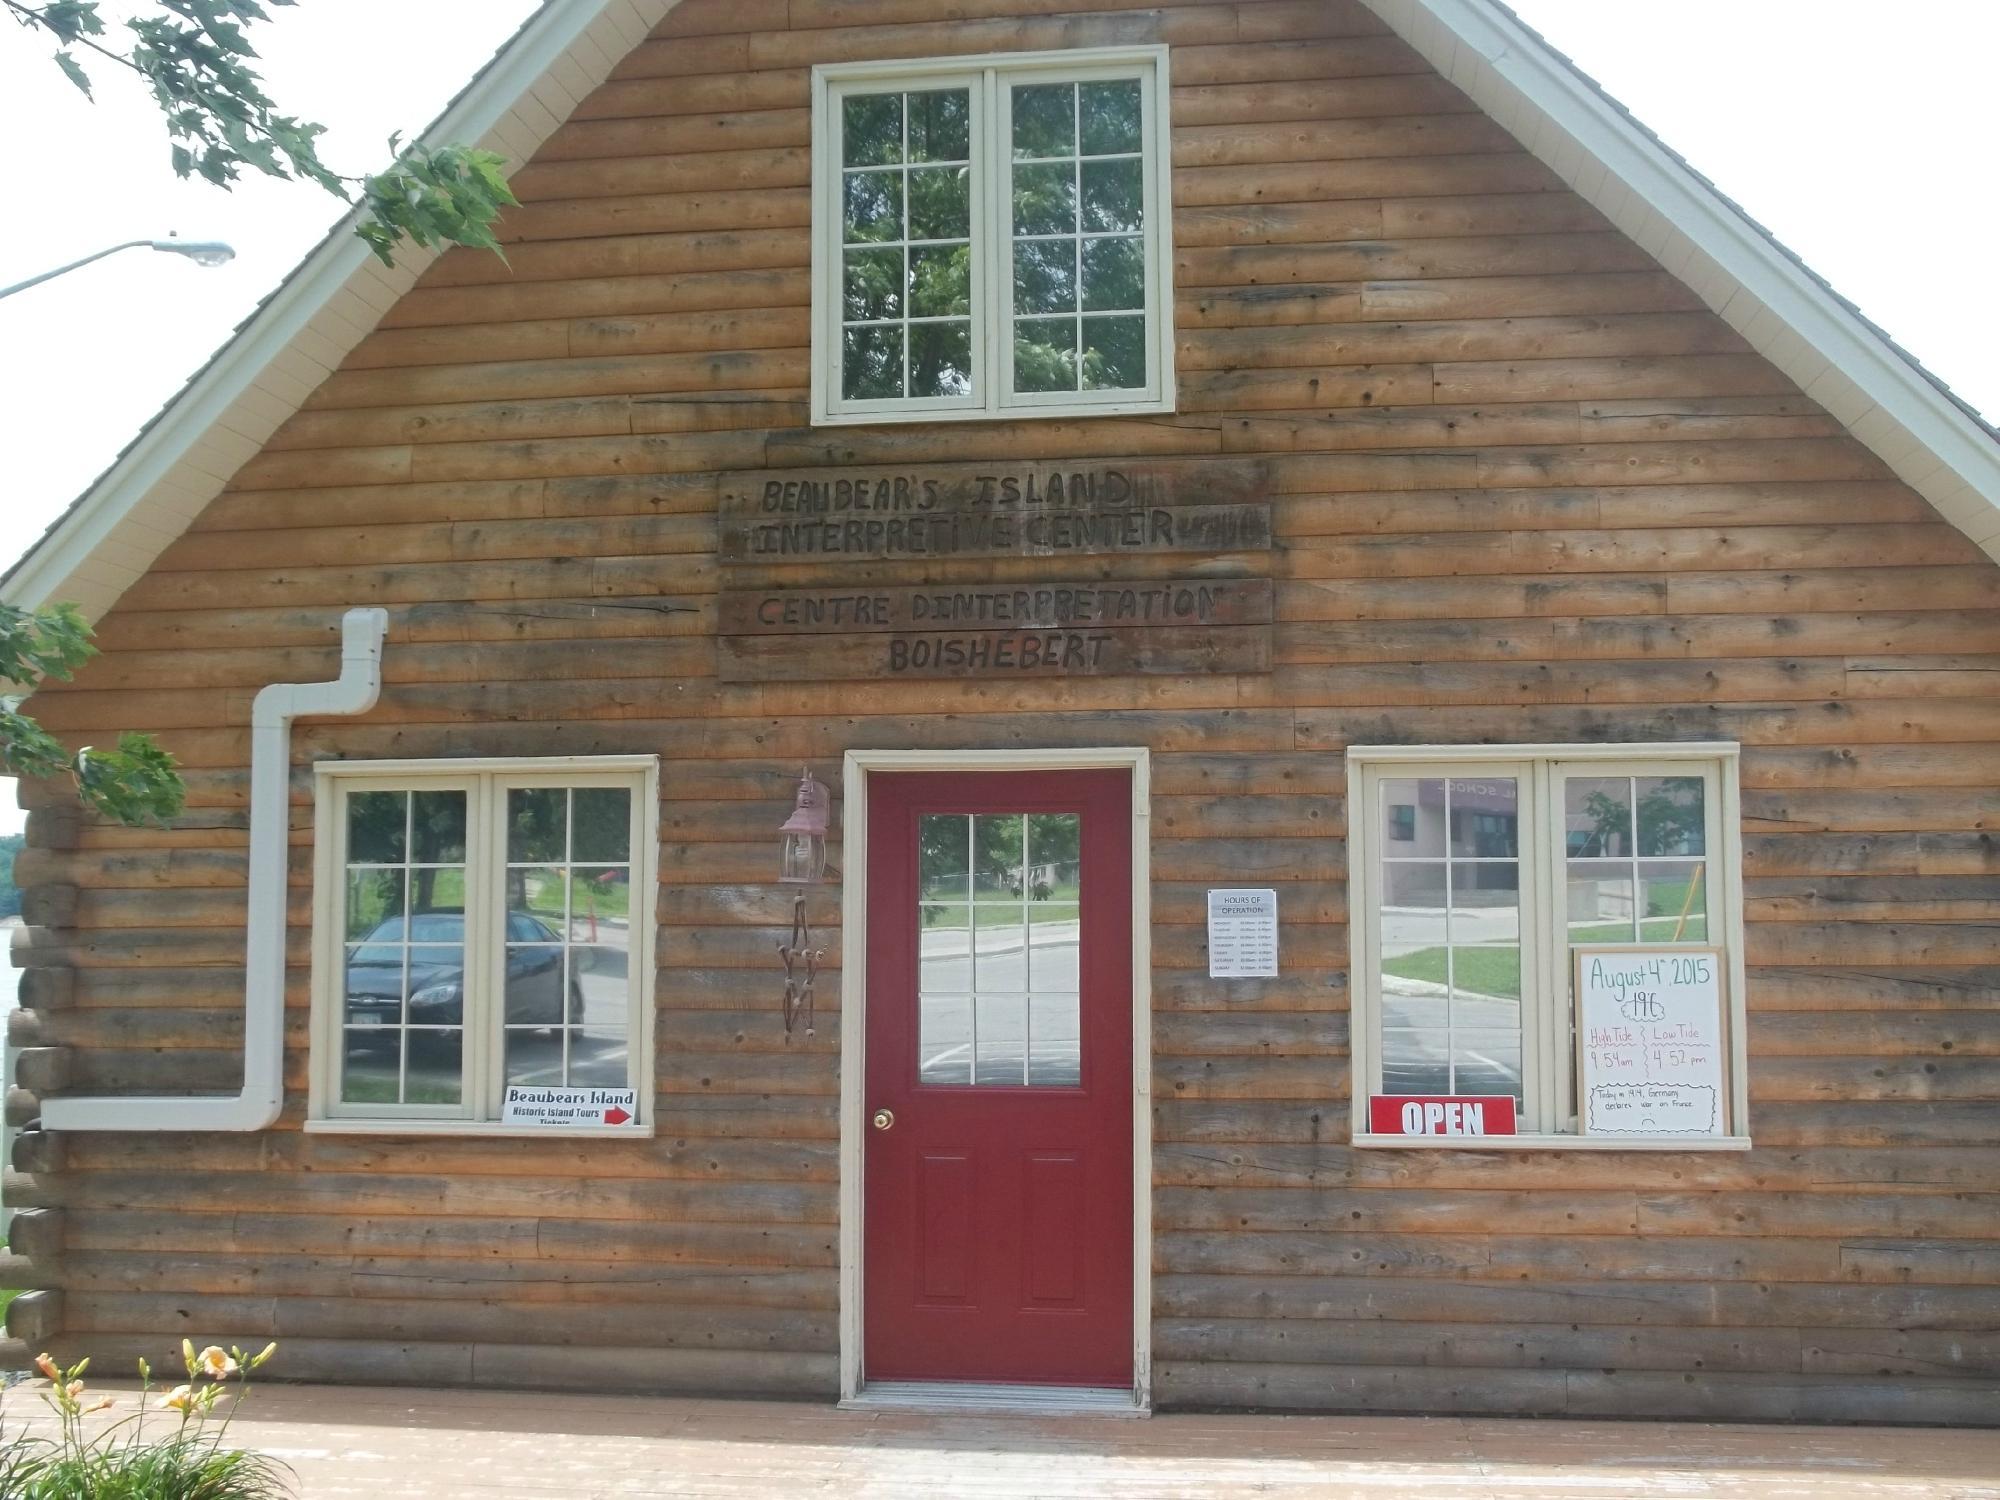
[[262, 1098], [354, 691]]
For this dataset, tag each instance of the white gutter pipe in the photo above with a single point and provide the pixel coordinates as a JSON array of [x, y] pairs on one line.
[[263, 1095]]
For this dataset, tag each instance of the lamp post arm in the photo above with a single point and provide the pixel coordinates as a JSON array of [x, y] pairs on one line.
[[22, 286]]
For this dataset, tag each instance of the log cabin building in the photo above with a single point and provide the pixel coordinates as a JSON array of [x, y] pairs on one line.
[[1401, 705]]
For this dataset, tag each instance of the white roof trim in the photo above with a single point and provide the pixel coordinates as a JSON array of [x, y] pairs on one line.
[[181, 461], [315, 318], [1932, 442]]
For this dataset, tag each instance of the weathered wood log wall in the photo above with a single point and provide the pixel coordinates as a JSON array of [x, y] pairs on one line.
[[1527, 488]]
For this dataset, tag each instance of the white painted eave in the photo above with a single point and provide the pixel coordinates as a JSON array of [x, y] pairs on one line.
[[315, 318], [1840, 359]]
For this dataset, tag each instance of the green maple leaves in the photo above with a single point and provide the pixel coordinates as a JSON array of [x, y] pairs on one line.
[[137, 782], [195, 57], [447, 195]]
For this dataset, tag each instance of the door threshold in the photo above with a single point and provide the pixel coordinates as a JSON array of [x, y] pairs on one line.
[[994, 1399]]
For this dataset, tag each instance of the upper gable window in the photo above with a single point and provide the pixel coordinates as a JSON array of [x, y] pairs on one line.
[[990, 237]]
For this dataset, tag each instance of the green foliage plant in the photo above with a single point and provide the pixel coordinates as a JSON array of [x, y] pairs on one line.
[[138, 782], [118, 1461], [194, 56]]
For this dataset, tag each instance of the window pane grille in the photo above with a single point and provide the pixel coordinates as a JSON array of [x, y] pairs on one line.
[[1449, 936], [999, 950], [403, 958], [1077, 204], [568, 936], [1636, 869], [906, 245]]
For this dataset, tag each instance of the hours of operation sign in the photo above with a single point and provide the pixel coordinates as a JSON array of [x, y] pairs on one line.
[[1243, 934], [867, 564]]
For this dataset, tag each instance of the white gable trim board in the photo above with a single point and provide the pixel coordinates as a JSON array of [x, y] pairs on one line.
[[1786, 313], [181, 461]]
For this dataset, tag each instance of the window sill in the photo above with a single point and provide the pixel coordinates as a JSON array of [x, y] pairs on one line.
[[1366, 1141], [1079, 412], [475, 1128]]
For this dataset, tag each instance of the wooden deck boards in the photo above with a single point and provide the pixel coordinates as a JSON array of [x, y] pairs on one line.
[[417, 1444]]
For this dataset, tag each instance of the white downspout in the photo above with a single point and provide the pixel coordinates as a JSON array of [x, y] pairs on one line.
[[263, 1095]]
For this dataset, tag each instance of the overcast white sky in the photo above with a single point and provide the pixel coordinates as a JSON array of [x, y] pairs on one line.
[[1861, 136]]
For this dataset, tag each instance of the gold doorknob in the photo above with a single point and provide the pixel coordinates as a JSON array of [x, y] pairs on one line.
[[884, 1119]]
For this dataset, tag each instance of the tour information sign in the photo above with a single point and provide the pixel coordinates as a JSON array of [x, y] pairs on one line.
[[1242, 934], [569, 1106], [1650, 1041]]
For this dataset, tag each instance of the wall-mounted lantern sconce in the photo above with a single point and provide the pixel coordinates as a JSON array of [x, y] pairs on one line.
[[803, 862], [805, 833]]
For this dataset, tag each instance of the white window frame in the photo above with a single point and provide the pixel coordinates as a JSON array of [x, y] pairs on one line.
[[1549, 1112], [992, 259], [486, 782]]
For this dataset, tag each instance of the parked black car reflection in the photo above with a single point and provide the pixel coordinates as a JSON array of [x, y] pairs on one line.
[[436, 987]]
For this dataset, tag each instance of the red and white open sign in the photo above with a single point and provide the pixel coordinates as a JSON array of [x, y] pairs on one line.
[[1441, 1114]]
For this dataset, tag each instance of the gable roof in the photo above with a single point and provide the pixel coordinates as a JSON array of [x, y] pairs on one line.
[[222, 417]]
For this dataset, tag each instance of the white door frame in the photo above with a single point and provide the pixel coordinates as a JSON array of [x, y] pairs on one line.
[[853, 1016]]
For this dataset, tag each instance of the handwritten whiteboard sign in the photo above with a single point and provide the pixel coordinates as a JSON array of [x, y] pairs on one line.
[[1650, 1041], [1242, 934]]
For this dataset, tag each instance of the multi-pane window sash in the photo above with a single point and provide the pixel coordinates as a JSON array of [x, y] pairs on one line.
[[479, 928], [990, 237], [1477, 870]]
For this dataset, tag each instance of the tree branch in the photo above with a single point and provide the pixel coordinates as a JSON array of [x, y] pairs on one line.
[[34, 17], [196, 60]]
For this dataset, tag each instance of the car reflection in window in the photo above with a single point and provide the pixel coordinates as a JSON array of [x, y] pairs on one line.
[[435, 986]]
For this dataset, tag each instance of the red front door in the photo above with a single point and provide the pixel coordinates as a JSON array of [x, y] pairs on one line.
[[998, 1204]]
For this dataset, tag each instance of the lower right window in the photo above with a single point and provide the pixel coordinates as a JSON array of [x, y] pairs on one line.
[[1559, 926]]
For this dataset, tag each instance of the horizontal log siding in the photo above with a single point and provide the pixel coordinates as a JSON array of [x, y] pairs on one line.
[[1527, 488]]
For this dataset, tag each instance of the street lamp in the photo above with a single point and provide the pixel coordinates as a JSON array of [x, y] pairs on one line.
[[201, 252]]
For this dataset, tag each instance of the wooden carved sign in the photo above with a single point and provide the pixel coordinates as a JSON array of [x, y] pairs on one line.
[[888, 599]]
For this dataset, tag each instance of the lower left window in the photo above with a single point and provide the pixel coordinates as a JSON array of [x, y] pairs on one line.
[[482, 932]]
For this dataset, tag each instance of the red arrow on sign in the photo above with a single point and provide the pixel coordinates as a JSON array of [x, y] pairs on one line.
[[615, 1116]]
